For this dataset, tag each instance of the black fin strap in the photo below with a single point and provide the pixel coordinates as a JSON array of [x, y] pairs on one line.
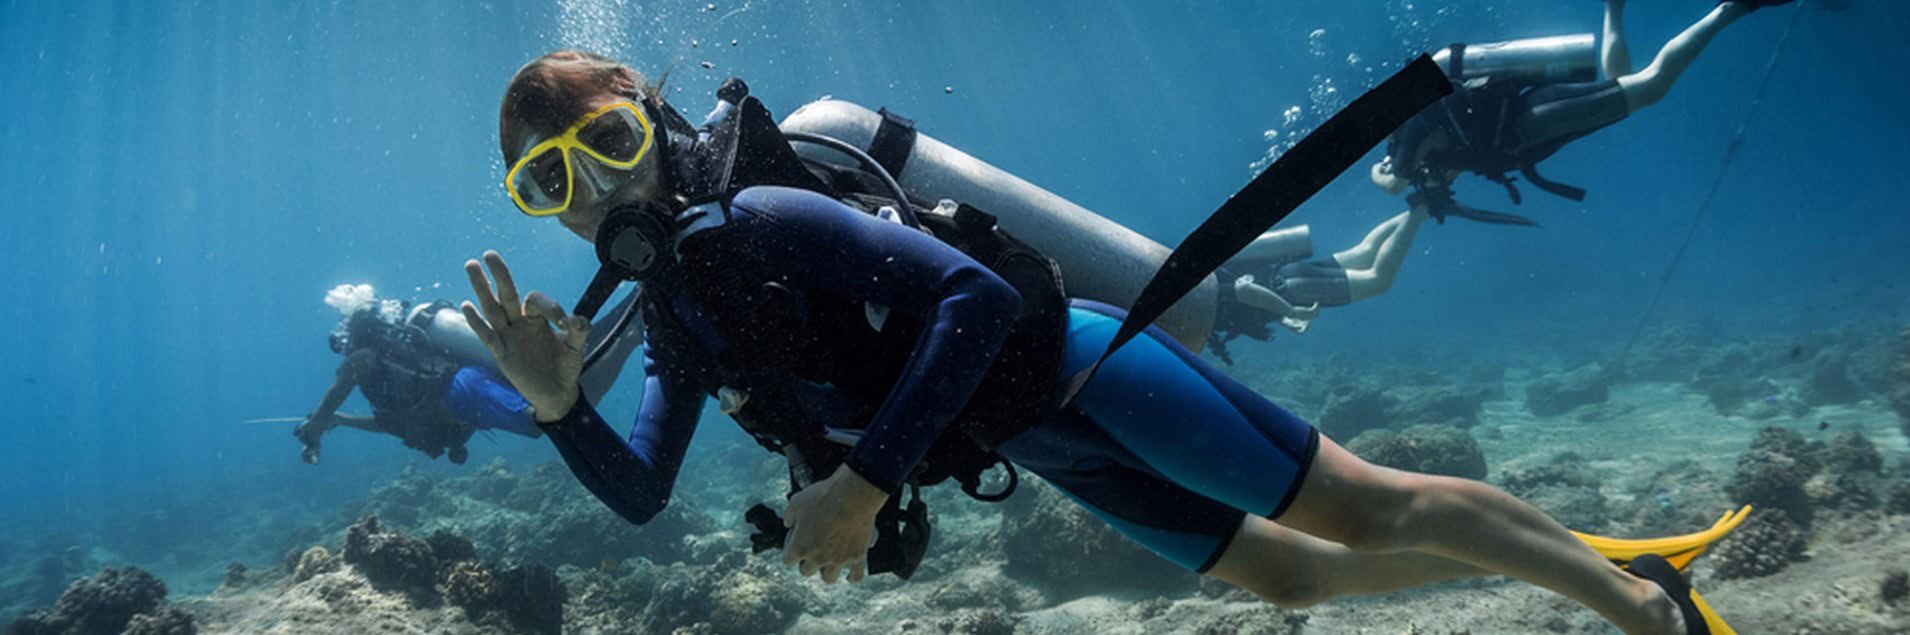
[[894, 140], [1295, 177]]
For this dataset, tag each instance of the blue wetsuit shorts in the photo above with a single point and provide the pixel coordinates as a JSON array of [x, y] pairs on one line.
[[1163, 446], [478, 397]]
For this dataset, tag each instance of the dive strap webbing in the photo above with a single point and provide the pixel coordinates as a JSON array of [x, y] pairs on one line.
[[1292, 179]]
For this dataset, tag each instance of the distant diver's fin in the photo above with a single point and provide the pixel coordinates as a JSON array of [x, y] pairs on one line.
[[1438, 202], [1678, 550], [1490, 218], [276, 420]]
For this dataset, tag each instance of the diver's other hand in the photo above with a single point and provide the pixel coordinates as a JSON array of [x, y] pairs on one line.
[[831, 522], [1295, 324], [543, 364]]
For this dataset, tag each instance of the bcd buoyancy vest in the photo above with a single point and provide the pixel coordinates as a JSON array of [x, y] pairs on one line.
[[788, 354]]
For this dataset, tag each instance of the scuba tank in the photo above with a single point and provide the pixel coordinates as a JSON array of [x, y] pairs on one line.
[[1101, 260], [444, 328], [1544, 60]]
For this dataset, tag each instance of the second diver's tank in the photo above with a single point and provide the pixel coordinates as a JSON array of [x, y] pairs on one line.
[[1556, 59], [444, 326], [1100, 259]]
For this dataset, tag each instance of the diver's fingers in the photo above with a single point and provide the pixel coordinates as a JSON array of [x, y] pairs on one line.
[[487, 300], [479, 327], [830, 572], [858, 569], [576, 332], [538, 305], [506, 287]]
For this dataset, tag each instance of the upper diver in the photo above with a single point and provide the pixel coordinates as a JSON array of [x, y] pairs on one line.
[[1520, 102], [837, 330]]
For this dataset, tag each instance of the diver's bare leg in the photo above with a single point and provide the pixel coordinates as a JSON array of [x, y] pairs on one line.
[[1361, 256], [1615, 58], [1374, 509], [1647, 86], [1371, 271], [1293, 569]]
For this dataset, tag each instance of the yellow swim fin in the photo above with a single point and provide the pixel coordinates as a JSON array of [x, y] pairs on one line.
[[1711, 620], [1678, 550]]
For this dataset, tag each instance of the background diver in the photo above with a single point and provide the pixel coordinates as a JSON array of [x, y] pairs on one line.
[[1517, 103], [1277, 278], [429, 381], [785, 302]]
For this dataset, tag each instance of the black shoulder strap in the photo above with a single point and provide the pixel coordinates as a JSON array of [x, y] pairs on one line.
[[894, 140], [1292, 179]]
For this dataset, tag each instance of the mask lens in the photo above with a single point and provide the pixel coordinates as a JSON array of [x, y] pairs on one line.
[[616, 135], [542, 182]]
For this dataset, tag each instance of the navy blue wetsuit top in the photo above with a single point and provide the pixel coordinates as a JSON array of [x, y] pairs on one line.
[[966, 308]]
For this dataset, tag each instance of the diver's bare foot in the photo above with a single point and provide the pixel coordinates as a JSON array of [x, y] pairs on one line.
[[1659, 609]]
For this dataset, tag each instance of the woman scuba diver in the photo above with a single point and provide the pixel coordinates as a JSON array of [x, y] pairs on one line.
[[1521, 102], [878, 358]]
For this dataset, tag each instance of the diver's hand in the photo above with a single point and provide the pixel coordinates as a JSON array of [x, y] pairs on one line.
[[1305, 313], [541, 363], [831, 522], [1295, 324]]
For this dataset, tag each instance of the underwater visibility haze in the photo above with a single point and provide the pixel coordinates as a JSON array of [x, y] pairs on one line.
[[213, 209]]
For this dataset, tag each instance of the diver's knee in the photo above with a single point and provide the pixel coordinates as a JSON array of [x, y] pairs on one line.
[[1643, 88]]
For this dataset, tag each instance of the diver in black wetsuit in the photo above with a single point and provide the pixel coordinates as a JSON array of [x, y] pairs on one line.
[[429, 381], [814, 322], [1520, 102]]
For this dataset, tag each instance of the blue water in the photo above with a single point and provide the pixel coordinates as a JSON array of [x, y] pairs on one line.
[[183, 181]]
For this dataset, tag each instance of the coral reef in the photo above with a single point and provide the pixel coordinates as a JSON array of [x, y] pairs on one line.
[[1566, 487], [540, 516], [1094, 558], [1765, 544], [1895, 586], [164, 621], [313, 562], [389, 559], [532, 598], [1355, 408], [1560, 393], [123, 599], [1851, 476], [1738, 380], [1664, 353], [1428, 449], [1445, 403], [1829, 380], [738, 593], [1771, 474]]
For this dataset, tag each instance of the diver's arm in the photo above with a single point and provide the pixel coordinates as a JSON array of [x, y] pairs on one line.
[[966, 308], [368, 423], [633, 476], [343, 383]]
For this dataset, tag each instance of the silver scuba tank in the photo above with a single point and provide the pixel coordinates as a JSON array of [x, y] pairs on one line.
[[1100, 260], [445, 327], [1556, 59]]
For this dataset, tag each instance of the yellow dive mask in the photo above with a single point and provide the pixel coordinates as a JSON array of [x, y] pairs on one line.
[[616, 136]]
